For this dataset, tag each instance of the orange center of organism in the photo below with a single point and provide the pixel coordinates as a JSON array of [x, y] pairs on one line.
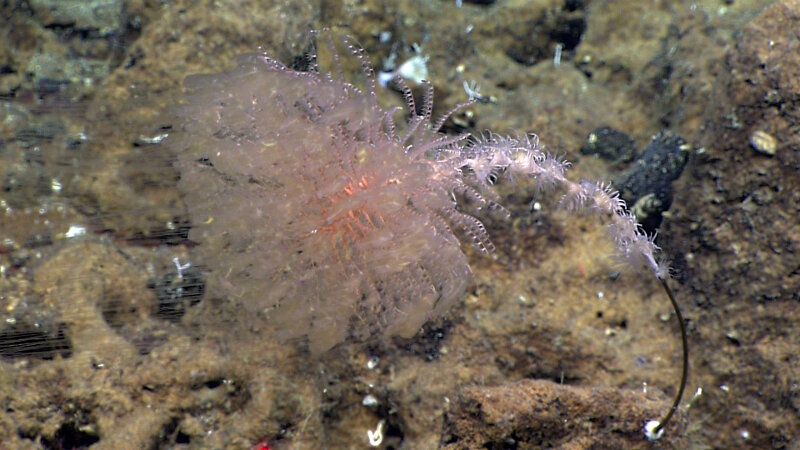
[[362, 183], [353, 221]]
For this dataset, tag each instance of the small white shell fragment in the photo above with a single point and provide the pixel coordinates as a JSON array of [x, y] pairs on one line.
[[75, 231], [369, 401], [764, 142]]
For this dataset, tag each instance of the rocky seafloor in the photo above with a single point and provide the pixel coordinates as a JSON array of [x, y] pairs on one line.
[[106, 339]]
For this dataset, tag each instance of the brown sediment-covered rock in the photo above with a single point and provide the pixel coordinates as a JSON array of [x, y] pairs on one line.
[[738, 188], [735, 235], [542, 414]]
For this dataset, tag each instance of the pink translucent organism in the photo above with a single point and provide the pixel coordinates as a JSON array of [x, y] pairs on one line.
[[313, 212], [322, 220]]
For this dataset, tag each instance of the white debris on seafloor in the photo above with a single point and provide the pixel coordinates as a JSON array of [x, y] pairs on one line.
[[414, 69]]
